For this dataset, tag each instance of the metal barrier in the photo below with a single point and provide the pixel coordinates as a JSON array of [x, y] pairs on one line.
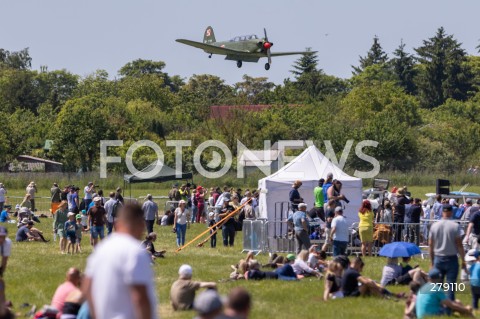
[[254, 235]]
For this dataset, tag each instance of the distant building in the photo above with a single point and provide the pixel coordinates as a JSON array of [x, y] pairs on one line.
[[26, 163]]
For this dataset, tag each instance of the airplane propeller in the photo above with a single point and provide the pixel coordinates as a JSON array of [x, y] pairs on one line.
[[267, 45]]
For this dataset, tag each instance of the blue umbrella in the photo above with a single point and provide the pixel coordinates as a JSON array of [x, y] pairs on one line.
[[399, 249]]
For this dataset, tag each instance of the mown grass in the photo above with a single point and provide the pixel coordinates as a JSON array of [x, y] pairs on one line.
[[35, 270]]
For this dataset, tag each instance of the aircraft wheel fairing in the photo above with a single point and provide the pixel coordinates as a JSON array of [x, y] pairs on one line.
[[267, 66], [239, 64]]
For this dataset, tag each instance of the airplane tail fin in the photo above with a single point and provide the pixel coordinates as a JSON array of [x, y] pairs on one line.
[[209, 36]]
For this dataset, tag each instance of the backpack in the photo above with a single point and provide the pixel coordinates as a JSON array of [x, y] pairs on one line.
[[116, 208]]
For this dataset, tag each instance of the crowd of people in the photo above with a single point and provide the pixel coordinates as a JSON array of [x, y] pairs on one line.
[[117, 229]]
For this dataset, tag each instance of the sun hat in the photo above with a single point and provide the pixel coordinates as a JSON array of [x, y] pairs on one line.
[[70, 214], [401, 191], [78, 216], [181, 202], [24, 221], [97, 199], [211, 214], [207, 302], [149, 196], [185, 271], [302, 205], [24, 210]]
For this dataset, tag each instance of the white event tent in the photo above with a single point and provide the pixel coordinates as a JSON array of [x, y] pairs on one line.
[[307, 167]]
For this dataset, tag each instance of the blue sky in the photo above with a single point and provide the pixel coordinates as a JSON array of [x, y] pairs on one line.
[[85, 35]]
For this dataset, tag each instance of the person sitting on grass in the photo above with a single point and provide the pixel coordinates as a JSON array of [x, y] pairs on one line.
[[316, 258], [355, 285], [432, 300], [333, 281], [70, 230], [23, 233], [38, 234], [208, 305], [286, 271], [301, 267], [254, 272], [242, 267], [5, 215], [410, 311], [71, 283], [182, 293], [391, 271], [148, 245]]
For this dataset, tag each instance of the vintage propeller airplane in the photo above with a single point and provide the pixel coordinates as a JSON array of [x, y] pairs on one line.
[[248, 48]]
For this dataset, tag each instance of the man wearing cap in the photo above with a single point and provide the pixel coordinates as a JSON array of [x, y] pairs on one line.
[[300, 224], [59, 220], [97, 218], [88, 193], [208, 305], [109, 208], [5, 249], [431, 299], [31, 190], [3, 192], [472, 236], [119, 281], [182, 293], [23, 233], [339, 233], [445, 243], [294, 195], [150, 210]]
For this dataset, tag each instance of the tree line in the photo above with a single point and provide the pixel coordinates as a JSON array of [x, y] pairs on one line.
[[422, 107]]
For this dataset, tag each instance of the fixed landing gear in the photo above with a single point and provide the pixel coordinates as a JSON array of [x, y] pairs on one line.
[[267, 66], [239, 64], [210, 56]]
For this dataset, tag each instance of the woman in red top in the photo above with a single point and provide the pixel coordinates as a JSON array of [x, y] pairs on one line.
[[200, 199]]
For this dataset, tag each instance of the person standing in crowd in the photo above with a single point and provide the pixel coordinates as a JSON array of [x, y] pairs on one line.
[[118, 195], [334, 192], [200, 199], [72, 283], [365, 227], [184, 192], [472, 235], [329, 215], [339, 233], [294, 195], [445, 244], [59, 220], [97, 218], [70, 229], [248, 208], [326, 185], [386, 215], [211, 199], [31, 190], [72, 199], [219, 204], [193, 200], [119, 279], [88, 194], [180, 222], [173, 194], [412, 219], [301, 226], [399, 213], [228, 227], [55, 193], [213, 230], [215, 195], [318, 207], [437, 208], [150, 209], [5, 249], [109, 207], [3, 192], [239, 304], [182, 292]]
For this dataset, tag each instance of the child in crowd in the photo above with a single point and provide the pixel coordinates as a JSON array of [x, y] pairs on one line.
[[211, 222], [475, 280], [317, 258], [315, 235], [78, 234], [84, 219], [71, 231], [410, 312]]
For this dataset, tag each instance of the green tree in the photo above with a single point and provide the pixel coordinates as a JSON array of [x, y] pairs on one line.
[[254, 90], [375, 55], [444, 72], [306, 63], [56, 87], [20, 60], [403, 65]]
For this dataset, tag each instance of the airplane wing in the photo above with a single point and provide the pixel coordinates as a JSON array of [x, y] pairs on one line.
[[290, 53], [210, 48]]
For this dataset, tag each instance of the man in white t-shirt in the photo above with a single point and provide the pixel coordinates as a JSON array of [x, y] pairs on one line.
[[119, 279], [3, 192], [5, 249], [339, 233]]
